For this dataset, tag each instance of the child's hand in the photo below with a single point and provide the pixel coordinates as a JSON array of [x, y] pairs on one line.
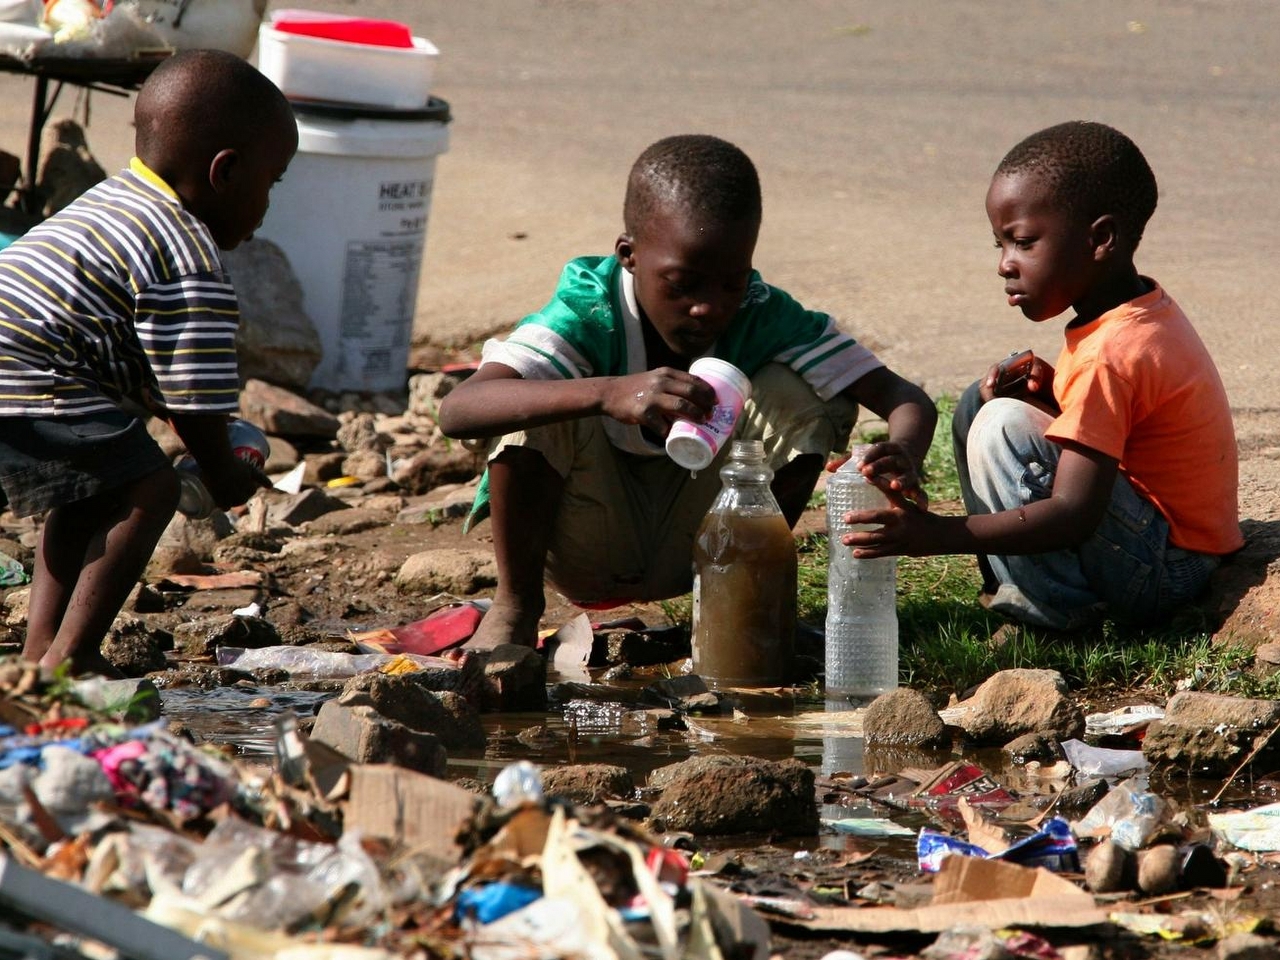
[[1020, 378], [901, 529], [656, 399], [892, 468], [230, 488]]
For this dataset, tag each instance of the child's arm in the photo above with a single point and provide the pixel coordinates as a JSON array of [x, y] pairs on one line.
[[1081, 492], [911, 417], [496, 400], [230, 480]]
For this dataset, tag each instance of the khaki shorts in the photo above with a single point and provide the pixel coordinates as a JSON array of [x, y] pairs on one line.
[[626, 523]]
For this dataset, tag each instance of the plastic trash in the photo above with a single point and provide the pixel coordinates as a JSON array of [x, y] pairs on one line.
[[869, 827], [444, 628], [1257, 830], [1102, 762], [1053, 847], [493, 901], [1129, 814], [11, 572], [304, 663], [1128, 721], [517, 784]]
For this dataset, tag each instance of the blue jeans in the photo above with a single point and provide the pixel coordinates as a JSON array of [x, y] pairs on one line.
[[1126, 571]]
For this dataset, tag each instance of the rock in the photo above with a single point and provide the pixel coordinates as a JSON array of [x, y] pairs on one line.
[[405, 699], [1158, 870], [187, 544], [588, 782], [1247, 946], [362, 734], [202, 638], [688, 693], [1075, 802], [1110, 868], [322, 467], [760, 797], [365, 465], [347, 522], [276, 341], [134, 648], [282, 456], [515, 680], [426, 390], [168, 439], [663, 777], [17, 603], [903, 717], [301, 507], [360, 433], [436, 466], [1031, 746], [1013, 702], [282, 413], [640, 649], [457, 572], [1210, 732], [144, 598]]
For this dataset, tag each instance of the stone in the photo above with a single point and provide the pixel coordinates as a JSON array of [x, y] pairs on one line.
[[347, 522], [365, 465], [456, 572], [134, 648], [640, 649], [1210, 732], [405, 699], [1158, 870], [282, 456], [663, 777], [435, 466], [167, 438], [515, 679], [1029, 747], [202, 638], [1110, 868], [361, 734], [283, 413], [774, 798], [1075, 802], [1013, 702], [359, 432], [426, 390], [322, 467], [303, 506], [688, 693], [903, 717], [588, 782], [276, 341]]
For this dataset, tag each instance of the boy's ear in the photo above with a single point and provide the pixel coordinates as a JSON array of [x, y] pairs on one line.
[[222, 169], [625, 250], [1104, 237]]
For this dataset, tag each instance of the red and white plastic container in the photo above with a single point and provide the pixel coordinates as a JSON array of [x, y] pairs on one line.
[[340, 59]]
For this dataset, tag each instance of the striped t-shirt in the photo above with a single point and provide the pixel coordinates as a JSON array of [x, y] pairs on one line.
[[120, 294], [591, 328]]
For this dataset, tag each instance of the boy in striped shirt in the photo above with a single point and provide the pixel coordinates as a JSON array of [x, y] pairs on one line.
[[583, 393], [120, 304]]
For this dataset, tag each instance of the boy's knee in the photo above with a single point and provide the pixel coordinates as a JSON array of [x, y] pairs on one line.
[[1007, 422], [783, 405]]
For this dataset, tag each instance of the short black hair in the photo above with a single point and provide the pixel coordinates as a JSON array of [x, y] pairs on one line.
[[694, 173], [1091, 169]]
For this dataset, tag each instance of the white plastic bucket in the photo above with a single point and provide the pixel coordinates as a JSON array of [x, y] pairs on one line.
[[351, 216]]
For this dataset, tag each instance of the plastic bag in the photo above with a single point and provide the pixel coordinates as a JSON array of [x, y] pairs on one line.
[[1129, 814]]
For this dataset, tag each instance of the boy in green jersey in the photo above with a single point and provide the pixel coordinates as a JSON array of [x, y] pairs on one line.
[[582, 394]]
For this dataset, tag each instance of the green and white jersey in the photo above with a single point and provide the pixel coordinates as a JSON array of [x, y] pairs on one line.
[[591, 328]]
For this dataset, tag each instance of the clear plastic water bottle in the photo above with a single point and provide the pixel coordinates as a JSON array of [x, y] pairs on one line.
[[248, 443], [862, 614]]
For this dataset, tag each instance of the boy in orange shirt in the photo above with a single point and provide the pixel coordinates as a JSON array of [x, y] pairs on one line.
[[1106, 487]]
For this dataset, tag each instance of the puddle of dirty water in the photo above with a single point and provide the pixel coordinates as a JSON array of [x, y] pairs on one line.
[[243, 717]]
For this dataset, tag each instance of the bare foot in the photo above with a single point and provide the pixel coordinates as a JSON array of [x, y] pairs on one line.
[[88, 663], [508, 621]]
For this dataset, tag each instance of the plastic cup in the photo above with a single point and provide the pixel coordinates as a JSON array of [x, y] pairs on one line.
[[694, 445]]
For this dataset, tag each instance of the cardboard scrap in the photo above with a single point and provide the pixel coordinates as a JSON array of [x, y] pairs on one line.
[[973, 892], [213, 581], [419, 811]]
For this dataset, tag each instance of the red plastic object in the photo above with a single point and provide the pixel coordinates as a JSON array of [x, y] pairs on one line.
[[445, 628], [374, 33]]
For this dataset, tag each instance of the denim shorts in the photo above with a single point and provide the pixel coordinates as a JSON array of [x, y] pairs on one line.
[[49, 462]]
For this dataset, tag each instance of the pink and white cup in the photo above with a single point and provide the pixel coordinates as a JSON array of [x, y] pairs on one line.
[[694, 445]]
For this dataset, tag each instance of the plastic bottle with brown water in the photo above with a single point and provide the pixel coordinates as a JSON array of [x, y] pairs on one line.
[[744, 579]]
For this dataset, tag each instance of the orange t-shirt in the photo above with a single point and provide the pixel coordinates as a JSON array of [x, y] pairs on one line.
[[1138, 384]]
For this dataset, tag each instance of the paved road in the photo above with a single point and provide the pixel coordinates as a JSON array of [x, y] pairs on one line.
[[875, 124]]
